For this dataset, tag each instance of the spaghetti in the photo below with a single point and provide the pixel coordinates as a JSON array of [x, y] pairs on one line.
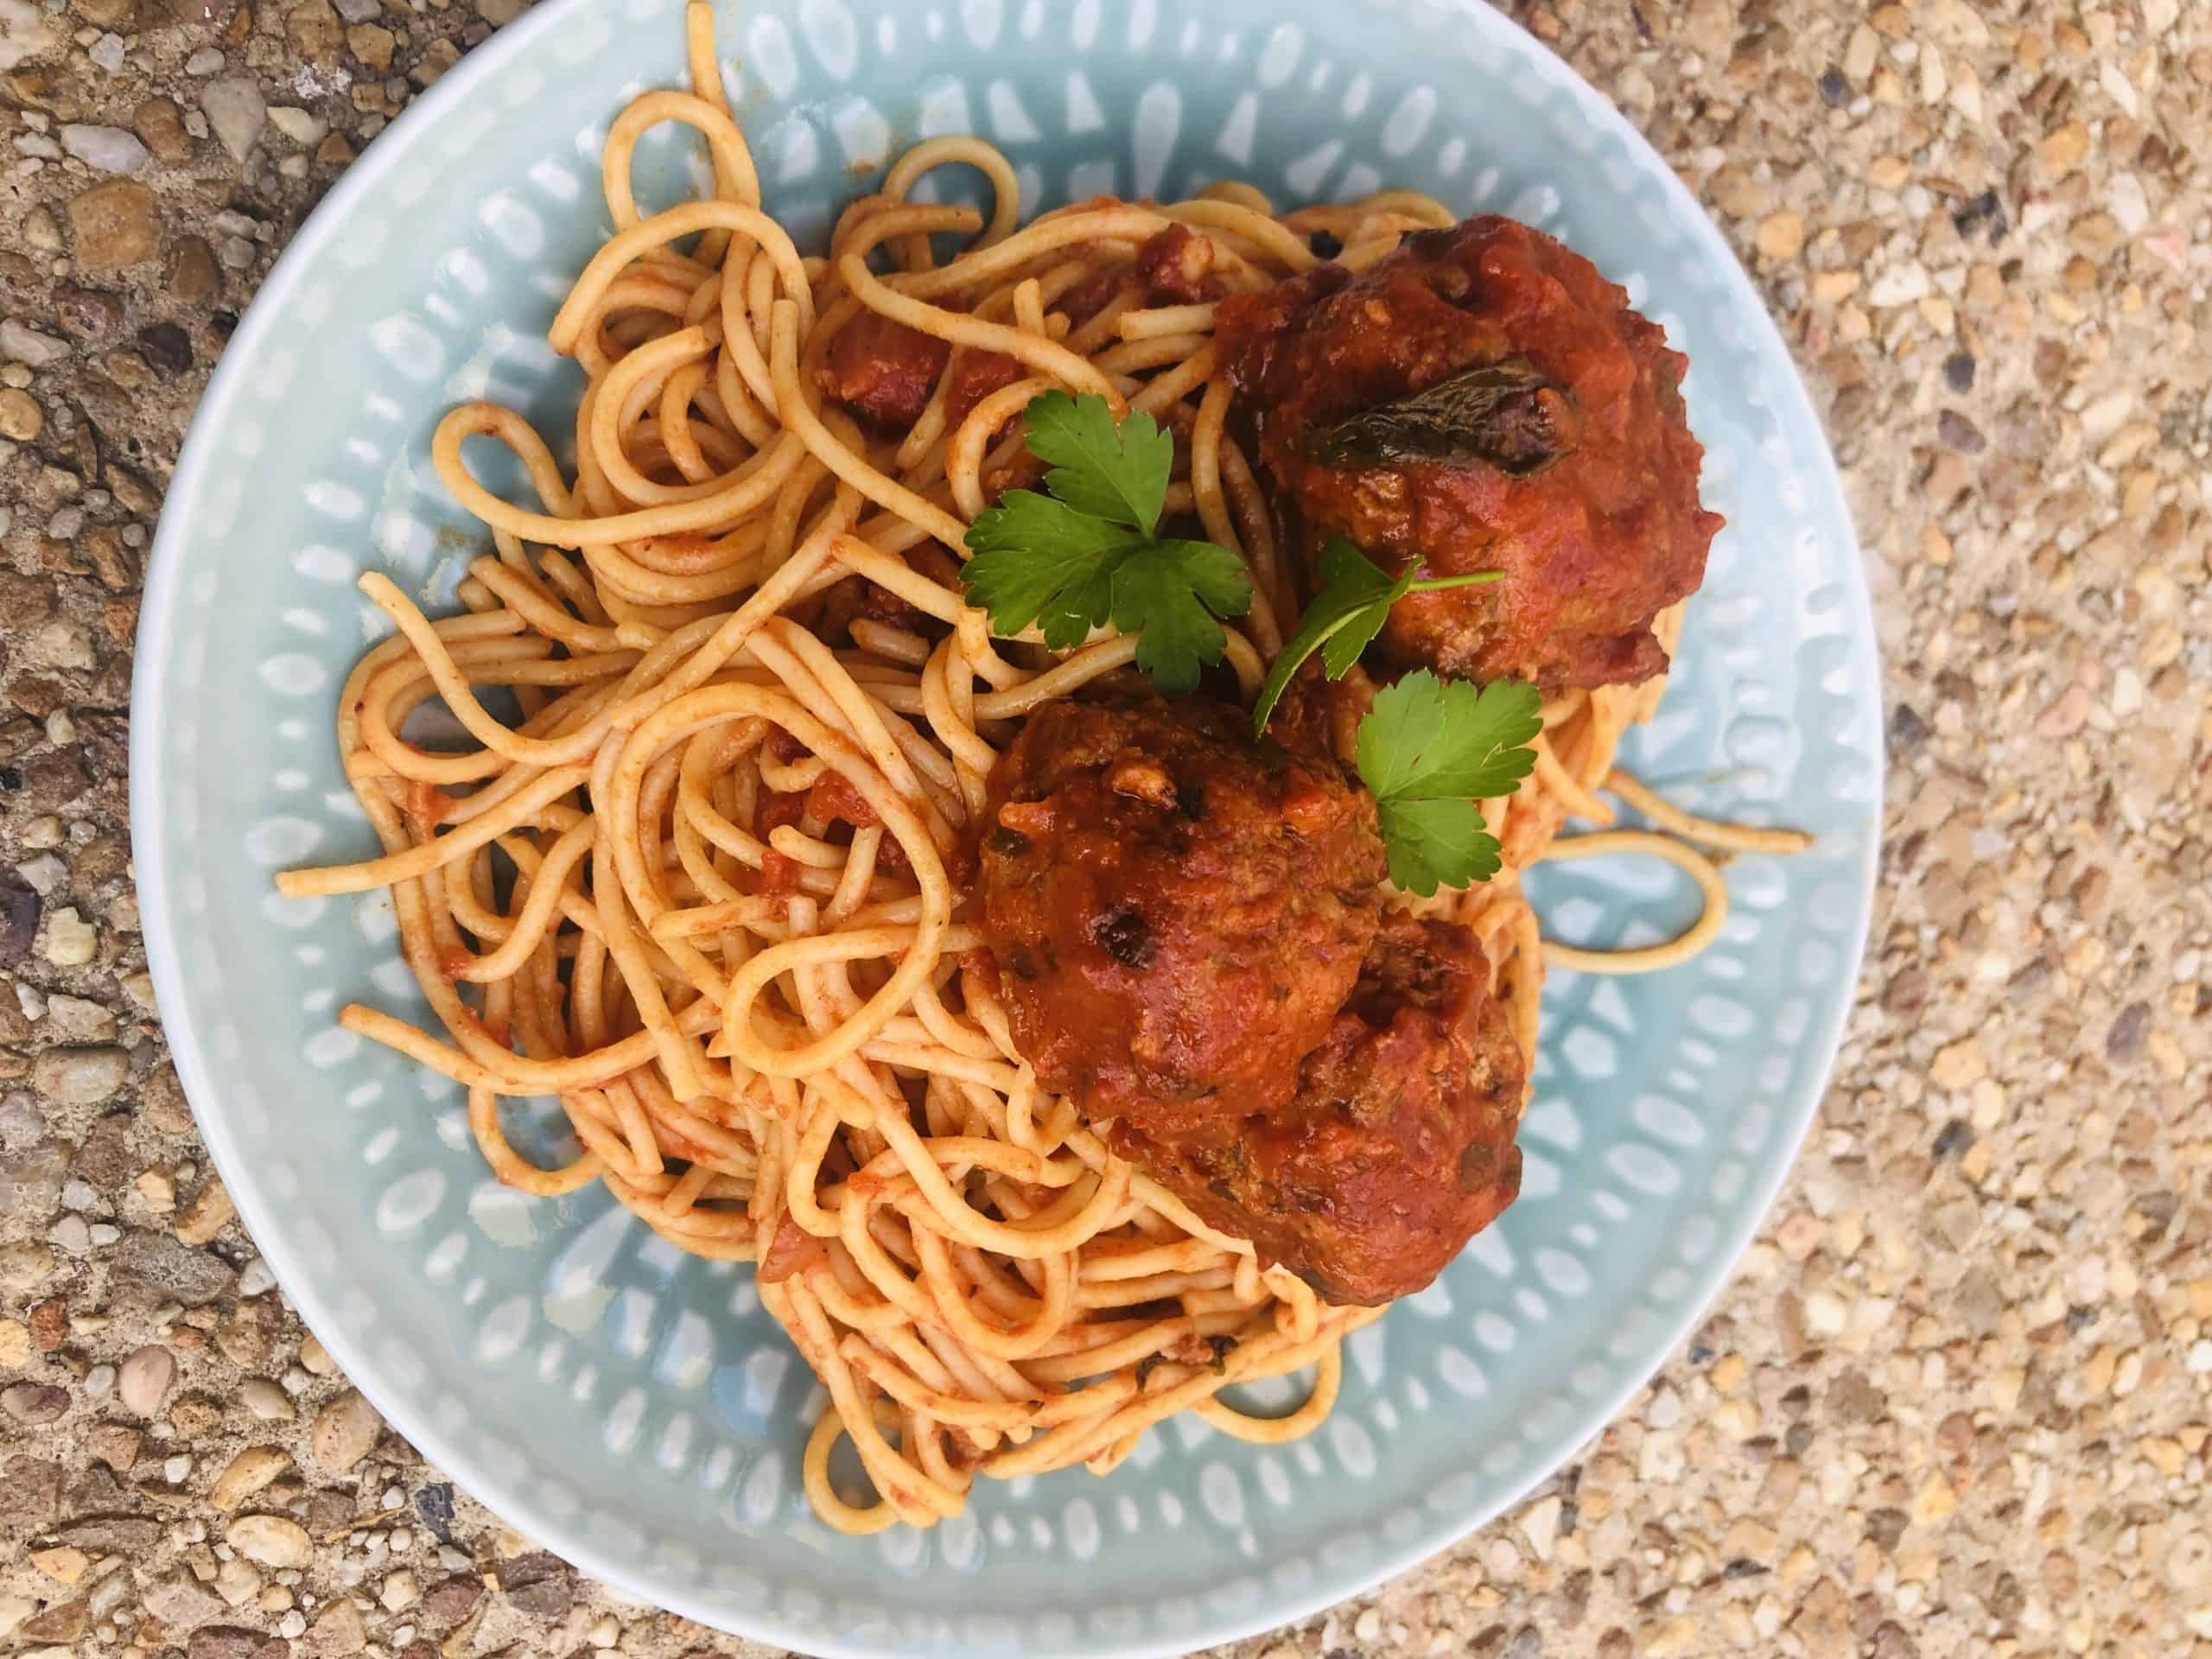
[[640, 897]]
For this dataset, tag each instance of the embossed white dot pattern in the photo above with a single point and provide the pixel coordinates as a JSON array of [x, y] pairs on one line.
[[635, 1409]]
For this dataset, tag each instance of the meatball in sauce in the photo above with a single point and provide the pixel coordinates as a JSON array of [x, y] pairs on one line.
[[1177, 912], [1483, 399], [1188, 928], [1398, 1146]]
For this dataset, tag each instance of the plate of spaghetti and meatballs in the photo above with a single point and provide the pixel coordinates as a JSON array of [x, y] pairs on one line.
[[1006, 833]]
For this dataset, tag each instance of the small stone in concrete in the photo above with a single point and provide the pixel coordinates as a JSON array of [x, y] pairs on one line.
[[236, 1583], [66, 1564], [160, 126], [22, 344], [314, 30], [373, 44], [115, 224], [270, 1540], [114, 1445], [540, 1583], [30, 1187], [21, 419], [1782, 236], [338, 1629], [26, 32], [434, 1504], [237, 111], [157, 1189], [109, 150], [143, 1382], [449, 1599], [248, 1338], [63, 1621], [211, 1208], [178, 1600], [30, 1490], [437, 57], [33, 1403], [86, 313], [224, 1640], [167, 347], [248, 1472], [194, 275], [344, 1432], [80, 1076], [79, 1020], [268, 1402], [303, 127]]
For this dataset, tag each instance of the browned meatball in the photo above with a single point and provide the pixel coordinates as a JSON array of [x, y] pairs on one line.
[[1177, 911], [1398, 1146], [1483, 399]]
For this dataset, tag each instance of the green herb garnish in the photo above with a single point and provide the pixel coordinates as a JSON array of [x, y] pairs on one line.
[[1087, 553], [1509, 414], [1344, 617], [1427, 751]]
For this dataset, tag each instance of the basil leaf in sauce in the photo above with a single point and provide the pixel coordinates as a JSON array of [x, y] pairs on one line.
[[1506, 415]]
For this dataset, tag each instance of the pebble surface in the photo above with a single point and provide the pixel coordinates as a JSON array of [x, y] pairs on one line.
[[1957, 1399]]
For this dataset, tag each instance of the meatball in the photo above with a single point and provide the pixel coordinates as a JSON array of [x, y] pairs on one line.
[[1483, 399], [1398, 1146], [1177, 911]]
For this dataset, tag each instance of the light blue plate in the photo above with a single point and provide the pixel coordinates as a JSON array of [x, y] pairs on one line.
[[634, 1410]]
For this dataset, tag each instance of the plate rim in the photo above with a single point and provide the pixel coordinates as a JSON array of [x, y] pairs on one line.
[[201, 1076]]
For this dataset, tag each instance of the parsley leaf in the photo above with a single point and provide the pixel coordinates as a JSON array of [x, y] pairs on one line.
[[1171, 591], [1085, 554], [1344, 617], [1437, 843], [1114, 470], [1427, 751], [1066, 595]]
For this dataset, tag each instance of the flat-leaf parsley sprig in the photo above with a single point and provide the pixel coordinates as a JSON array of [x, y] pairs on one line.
[[1345, 616], [1088, 553], [1427, 751]]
